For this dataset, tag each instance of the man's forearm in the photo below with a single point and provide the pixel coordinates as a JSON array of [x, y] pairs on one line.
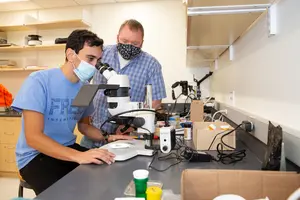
[[47, 146], [91, 132]]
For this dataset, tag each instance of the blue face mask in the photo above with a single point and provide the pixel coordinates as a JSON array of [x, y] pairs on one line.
[[84, 71]]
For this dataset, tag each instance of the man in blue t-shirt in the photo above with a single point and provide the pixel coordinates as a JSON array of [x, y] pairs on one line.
[[46, 149]]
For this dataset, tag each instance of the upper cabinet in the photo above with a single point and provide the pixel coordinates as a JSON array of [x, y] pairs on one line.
[[214, 25]]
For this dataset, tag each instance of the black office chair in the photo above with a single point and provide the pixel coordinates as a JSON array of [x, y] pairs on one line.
[[23, 184]]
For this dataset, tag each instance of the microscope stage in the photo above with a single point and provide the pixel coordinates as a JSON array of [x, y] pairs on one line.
[[126, 149]]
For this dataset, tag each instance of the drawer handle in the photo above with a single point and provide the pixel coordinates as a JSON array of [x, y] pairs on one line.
[[9, 120], [6, 133], [8, 161], [9, 147]]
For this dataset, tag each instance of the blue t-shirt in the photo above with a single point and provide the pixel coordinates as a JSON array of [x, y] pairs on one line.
[[49, 92]]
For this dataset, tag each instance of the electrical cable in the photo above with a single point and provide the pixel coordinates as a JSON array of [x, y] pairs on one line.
[[173, 108], [182, 150], [225, 158], [229, 158], [146, 130], [161, 170], [215, 139], [179, 156], [220, 111], [188, 97]]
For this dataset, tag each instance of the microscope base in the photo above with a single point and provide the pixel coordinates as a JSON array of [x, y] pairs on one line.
[[126, 149]]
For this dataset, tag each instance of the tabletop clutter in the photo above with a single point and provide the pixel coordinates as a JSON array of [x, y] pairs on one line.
[[142, 188]]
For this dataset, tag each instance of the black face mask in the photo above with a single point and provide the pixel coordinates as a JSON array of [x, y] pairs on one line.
[[128, 51]]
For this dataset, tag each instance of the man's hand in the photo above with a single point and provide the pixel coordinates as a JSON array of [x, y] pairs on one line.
[[118, 132], [113, 138], [96, 156]]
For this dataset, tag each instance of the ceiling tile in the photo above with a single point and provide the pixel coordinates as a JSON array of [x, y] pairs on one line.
[[54, 3], [89, 2], [26, 5]]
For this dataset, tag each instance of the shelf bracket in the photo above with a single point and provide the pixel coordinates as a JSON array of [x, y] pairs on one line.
[[272, 20], [231, 52]]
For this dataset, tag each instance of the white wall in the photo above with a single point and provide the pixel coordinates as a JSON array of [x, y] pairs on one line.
[[265, 71], [165, 37]]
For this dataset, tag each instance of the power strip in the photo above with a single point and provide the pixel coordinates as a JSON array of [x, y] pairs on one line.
[[194, 156]]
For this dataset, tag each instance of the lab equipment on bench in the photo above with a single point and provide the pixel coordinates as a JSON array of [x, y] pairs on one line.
[[167, 139], [123, 112], [198, 82], [185, 88], [126, 149]]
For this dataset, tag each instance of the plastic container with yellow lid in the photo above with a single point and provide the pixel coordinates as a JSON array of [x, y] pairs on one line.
[[154, 193]]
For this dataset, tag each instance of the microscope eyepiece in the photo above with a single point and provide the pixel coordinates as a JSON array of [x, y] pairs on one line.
[[103, 66]]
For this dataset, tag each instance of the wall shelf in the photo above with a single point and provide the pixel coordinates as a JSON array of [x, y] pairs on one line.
[[17, 69], [47, 25], [32, 48]]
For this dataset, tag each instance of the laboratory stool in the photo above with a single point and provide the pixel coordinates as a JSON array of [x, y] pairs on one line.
[[23, 184]]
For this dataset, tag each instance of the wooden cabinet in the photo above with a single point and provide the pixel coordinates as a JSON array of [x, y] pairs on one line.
[[8, 158], [10, 128]]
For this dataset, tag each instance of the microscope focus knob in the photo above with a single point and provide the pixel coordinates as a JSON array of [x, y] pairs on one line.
[[165, 148]]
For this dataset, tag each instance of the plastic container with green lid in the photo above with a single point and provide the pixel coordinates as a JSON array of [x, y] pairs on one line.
[[140, 180]]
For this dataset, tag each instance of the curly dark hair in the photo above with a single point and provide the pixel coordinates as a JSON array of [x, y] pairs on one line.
[[78, 38]]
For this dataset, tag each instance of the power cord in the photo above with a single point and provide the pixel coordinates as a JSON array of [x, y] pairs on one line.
[[228, 158], [221, 112], [185, 153], [225, 158], [185, 102], [179, 156], [214, 139], [179, 160], [173, 108]]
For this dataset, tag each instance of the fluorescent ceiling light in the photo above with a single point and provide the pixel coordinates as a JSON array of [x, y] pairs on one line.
[[234, 9], [223, 12], [9, 1]]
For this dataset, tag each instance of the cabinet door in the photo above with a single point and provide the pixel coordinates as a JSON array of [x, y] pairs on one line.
[[8, 158], [10, 128]]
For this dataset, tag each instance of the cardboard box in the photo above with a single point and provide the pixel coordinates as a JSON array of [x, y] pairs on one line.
[[251, 185], [197, 111], [203, 136]]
